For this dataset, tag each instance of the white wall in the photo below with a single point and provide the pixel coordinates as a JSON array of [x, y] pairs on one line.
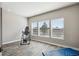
[[12, 26], [71, 26], [0, 27]]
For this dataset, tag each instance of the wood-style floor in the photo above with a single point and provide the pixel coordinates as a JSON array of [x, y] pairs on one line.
[[34, 49]]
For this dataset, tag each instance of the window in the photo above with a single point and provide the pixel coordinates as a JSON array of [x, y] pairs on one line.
[[57, 28], [44, 28], [35, 28]]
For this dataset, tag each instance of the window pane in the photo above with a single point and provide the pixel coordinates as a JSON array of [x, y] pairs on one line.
[[34, 28], [44, 28], [57, 28]]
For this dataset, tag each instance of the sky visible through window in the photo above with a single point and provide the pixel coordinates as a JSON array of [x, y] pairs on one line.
[[59, 23], [42, 22], [34, 24]]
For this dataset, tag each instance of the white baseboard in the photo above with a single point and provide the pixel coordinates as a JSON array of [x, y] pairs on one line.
[[0, 53], [3, 43], [57, 44], [43, 42]]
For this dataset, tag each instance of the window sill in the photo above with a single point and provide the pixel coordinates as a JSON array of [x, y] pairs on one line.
[[61, 38], [43, 36], [58, 38]]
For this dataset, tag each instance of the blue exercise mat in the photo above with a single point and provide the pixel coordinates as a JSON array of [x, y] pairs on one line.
[[62, 52]]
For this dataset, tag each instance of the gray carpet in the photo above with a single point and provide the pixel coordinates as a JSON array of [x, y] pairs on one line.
[[34, 49]]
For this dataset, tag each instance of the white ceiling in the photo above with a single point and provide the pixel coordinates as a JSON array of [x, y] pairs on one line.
[[28, 9]]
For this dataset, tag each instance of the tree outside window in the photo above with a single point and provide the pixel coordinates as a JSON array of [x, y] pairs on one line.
[[44, 28]]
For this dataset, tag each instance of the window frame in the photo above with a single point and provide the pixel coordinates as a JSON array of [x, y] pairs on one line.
[[50, 35], [62, 38], [32, 29], [39, 29]]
